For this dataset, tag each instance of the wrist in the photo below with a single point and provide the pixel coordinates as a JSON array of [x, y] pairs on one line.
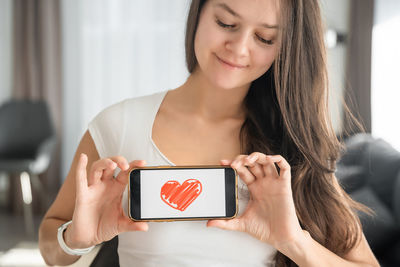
[[68, 246], [70, 241], [296, 248]]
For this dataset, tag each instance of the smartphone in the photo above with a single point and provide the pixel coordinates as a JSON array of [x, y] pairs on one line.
[[173, 193]]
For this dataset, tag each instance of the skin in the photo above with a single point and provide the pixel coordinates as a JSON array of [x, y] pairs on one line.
[[208, 104]]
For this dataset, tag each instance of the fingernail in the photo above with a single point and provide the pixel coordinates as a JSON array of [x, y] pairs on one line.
[[252, 158]]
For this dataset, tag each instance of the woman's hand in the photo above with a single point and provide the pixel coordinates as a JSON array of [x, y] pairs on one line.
[[98, 214], [270, 215]]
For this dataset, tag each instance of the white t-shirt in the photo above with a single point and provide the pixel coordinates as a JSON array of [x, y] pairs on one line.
[[125, 129]]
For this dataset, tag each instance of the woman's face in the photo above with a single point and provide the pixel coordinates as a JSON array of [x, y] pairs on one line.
[[236, 40]]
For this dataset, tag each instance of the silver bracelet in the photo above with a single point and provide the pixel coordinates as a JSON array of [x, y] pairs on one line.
[[65, 248]]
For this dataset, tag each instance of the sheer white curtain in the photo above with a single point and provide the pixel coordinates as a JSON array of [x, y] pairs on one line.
[[385, 94], [335, 16], [5, 66], [115, 49], [5, 49]]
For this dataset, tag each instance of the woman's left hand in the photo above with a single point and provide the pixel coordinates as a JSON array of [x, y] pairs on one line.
[[270, 215]]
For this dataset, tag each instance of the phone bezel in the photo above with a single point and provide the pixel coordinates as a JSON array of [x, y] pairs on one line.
[[231, 194]]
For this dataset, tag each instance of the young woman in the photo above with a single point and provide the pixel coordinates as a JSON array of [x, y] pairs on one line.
[[256, 97]]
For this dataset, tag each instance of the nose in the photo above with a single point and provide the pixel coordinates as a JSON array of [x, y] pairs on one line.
[[239, 44]]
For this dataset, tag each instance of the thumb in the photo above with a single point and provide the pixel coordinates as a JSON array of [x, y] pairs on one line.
[[225, 162], [127, 225], [232, 224]]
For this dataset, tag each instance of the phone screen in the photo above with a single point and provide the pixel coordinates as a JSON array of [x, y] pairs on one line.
[[174, 193]]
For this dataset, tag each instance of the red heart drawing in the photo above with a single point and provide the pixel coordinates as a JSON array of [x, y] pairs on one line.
[[180, 196]]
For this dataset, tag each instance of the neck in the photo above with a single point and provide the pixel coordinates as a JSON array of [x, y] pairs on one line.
[[210, 102]]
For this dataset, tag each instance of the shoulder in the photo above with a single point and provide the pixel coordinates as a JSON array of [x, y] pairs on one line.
[[129, 105], [144, 102], [109, 127]]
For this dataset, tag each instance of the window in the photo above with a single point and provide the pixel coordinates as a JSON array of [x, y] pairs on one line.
[[385, 94]]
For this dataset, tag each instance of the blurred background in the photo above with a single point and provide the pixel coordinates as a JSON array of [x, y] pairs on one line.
[[63, 61]]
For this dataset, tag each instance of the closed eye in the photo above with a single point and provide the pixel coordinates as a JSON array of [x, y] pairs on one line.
[[223, 25], [262, 40], [232, 26]]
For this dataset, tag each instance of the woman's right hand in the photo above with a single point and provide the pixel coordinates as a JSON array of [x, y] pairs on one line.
[[98, 214]]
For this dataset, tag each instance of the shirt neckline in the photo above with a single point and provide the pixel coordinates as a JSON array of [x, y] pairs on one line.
[[157, 108]]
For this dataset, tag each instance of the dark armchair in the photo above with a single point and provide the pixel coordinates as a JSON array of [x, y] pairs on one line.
[[370, 172], [26, 143]]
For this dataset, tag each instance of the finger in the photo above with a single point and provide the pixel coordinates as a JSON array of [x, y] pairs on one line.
[[252, 158], [98, 167], [81, 175], [256, 169], [122, 163], [108, 173], [238, 160], [137, 163], [232, 224], [267, 165], [123, 177], [243, 172], [283, 165]]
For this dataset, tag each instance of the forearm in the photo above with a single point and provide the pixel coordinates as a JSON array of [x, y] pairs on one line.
[[48, 244], [306, 251]]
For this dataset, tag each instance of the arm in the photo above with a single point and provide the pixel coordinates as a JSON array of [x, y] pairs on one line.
[[62, 209], [305, 251], [271, 217], [91, 198]]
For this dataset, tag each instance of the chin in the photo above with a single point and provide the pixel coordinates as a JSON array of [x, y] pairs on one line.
[[224, 84], [227, 83]]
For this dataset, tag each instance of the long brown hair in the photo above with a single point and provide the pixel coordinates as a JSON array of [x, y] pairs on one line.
[[287, 114]]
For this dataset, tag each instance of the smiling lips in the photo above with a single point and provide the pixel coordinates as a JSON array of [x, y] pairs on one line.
[[230, 64]]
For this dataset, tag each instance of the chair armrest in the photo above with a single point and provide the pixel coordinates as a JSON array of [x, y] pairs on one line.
[[43, 155], [396, 199]]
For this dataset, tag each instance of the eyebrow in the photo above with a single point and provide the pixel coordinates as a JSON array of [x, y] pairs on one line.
[[230, 10]]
